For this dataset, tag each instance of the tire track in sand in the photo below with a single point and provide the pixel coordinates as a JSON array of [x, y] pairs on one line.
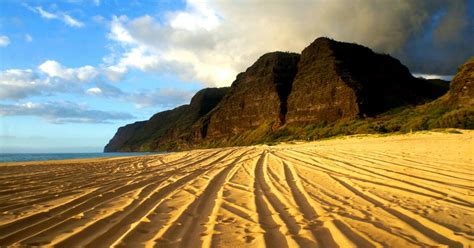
[[188, 227], [354, 239], [435, 232], [132, 213], [344, 193]]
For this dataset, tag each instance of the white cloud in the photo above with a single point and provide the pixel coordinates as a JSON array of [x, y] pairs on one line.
[[165, 98], [198, 15], [17, 84], [211, 40], [50, 77], [54, 69], [62, 112], [81, 74], [71, 21], [28, 38], [94, 91], [118, 32], [434, 76], [145, 98], [141, 59], [58, 15], [4, 41], [115, 73], [45, 14], [155, 48], [108, 90], [86, 73]]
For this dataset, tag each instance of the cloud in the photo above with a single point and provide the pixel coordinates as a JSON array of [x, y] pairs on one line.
[[115, 72], [65, 18], [28, 38], [118, 31], [161, 97], [81, 74], [4, 41], [50, 77], [175, 49], [18, 84], [45, 14], [451, 24], [107, 90], [164, 98], [211, 41], [196, 16], [434, 76], [62, 112], [94, 91], [71, 21]]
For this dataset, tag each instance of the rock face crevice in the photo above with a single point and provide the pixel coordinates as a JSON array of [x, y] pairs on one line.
[[257, 97], [330, 81], [283, 76]]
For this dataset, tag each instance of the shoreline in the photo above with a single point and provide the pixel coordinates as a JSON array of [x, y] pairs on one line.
[[291, 142], [70, 156]]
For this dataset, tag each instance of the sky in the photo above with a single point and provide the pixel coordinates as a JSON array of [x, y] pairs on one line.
[[73, 71]]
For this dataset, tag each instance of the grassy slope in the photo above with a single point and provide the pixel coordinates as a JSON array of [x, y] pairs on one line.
[[436, 114]]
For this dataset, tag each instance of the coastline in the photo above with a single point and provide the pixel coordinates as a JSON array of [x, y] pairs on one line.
[[36, 157]]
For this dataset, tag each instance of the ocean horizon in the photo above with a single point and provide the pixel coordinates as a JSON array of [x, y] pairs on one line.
[[26, 157]]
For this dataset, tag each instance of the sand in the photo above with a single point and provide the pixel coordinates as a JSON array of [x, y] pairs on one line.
[[413, 190]]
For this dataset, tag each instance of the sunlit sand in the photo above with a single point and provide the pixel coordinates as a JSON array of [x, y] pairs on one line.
[[413, 190]]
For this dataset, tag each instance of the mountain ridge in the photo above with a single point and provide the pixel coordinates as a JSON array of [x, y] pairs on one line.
[[282, 94]]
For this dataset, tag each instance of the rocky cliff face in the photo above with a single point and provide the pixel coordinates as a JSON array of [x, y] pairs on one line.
[[258, 96], [123, 135], [338, 80], [461, 92], [168, 129], [329, 82]]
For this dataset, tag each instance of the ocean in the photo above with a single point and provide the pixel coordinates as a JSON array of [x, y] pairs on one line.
[[23, 157]]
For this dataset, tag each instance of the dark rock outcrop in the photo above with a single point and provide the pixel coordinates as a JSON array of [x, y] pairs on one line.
[[258, 96], [122, 136], [338, 80]]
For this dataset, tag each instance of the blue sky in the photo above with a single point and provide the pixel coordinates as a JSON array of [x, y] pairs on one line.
[[73, 71]]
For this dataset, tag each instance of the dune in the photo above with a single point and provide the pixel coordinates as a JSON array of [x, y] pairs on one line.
[[414, 190]]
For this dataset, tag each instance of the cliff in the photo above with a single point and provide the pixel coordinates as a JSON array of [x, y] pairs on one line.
[[338, 80], [461, 92], [123, 136], [258, 96], [331, 83], [168, 129]]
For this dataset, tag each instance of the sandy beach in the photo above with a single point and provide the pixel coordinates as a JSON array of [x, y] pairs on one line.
[[414, 190]]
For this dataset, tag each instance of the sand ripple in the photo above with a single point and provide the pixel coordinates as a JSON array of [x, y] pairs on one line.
[[396, 191]]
